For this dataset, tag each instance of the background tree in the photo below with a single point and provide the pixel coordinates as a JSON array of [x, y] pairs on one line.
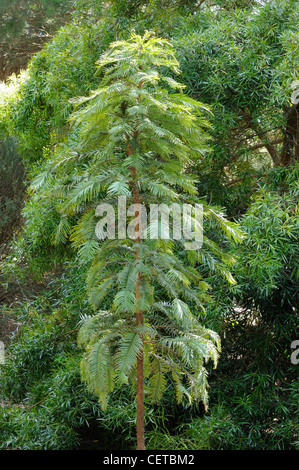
[[25, 26], [243, 64]]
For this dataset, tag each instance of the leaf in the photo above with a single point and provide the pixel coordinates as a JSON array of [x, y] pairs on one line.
[[157, 382], [83, 192], [88, 249], [62, 232], [99, 292], [119, 188], [40, 180], [131, 345], [94, 370]]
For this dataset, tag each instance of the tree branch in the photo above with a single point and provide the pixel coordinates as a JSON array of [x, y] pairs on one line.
[[260, 134]]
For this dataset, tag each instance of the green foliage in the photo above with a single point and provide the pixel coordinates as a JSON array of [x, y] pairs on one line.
[[235, 423], [231, 60], [44, 403], [52, 421], [269, 272], [228, 59], [117, 128], [256, 381], [100, 368], [63, 69], [240, 58], [87, 171]]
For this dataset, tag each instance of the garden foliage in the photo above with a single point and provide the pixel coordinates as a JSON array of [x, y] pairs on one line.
[[239, 60]]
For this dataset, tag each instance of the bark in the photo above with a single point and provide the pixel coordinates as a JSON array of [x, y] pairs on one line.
[[139, 319], [140, 380], [262, 136], [290, 149]]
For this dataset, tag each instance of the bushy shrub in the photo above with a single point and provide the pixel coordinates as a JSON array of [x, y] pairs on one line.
[[257, 319]]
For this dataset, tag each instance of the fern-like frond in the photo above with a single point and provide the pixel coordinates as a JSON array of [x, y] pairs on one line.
[[84, 229], [231, 229], [84, 192], [157, 381], [62, 231], [130, 347], [96, 370], [96, 294], [125, 301]]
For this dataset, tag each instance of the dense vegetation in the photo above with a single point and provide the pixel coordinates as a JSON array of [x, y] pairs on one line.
[[64, 147]]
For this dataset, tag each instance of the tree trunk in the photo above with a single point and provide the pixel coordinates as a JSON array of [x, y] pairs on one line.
[[290, 149], [139, 318], [261, 135], [140, 387]]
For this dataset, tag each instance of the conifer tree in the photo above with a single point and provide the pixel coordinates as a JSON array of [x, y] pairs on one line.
[[137, 137]]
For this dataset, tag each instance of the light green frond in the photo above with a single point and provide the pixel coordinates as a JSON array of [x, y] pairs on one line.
[[126, 357], [84, 229], [119, 188], [164, 282], [40, 180], [93, 327], [97, 293], [125, 301], [97, 371], [231, 229], [224, 271], [82, 193], [62, 232], [182, 314], [177, 276], [87, 250], [157, 382]]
